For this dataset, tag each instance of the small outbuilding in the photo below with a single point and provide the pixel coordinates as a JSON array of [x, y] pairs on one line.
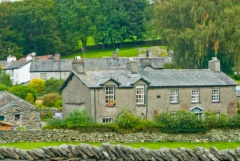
[[15, 111]]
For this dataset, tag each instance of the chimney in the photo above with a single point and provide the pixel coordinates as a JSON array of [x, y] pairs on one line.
[[214, 64], [28, 57], [78, 65], [115, 54], [57, 57], [33, 56], [132, 66], [11, 58]]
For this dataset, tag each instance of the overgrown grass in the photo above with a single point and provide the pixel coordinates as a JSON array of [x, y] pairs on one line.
[[156, 145]]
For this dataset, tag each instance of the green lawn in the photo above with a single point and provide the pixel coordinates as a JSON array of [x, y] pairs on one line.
[[123, 52], [157, 145]]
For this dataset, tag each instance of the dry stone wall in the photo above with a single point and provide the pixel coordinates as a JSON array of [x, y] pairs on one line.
[[78, 136], [107, 152]]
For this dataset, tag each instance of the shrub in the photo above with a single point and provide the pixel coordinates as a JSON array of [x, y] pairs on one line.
[[37, 84], [77, 119], [234, 121], [22, 91], [5, 78], [50, 99], [53, 85], [127, 120], [58, 104], [3, 87], [182, 121], [54, 124], [30, 98], [213, 120]]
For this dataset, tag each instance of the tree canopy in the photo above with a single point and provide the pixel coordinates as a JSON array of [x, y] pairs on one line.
[[197, 30]]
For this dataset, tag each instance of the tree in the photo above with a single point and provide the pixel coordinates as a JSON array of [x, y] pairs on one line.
[[191, 29], [37, 84], [37, 22], [76, 18]]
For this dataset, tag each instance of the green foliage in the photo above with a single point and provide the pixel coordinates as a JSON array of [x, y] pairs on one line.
[[213, 120], [30, 98], [234, 121], [5, 78], [58, 104], [127, 120], [182, 121], [37, 84], [50, 99], [3, 87], [20, 128], [22, 91], [53, 85], [77, 119], [54, 124]]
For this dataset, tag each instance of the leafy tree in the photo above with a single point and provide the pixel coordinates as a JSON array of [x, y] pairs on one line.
[[53, 85], [37, 22], [196, 30], [37, 84], [22, 91], [76, 18], [30, 98]]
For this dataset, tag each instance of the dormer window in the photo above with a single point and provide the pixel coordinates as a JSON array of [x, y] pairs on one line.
[[140, 94]]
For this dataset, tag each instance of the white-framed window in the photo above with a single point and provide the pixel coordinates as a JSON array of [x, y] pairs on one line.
[[43, 76], [140, 94], [110, 96], [107, 120], [215, 95], [174, 96], [195, 95]]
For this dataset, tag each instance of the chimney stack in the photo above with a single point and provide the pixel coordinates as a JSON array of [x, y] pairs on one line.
[[78, 65], [132, 66], [11, 58], [33, 56], [214, 64], [147, 53], [57, 57]]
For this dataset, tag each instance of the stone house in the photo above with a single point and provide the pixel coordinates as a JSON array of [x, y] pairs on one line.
[[17, 111], [145, 90]]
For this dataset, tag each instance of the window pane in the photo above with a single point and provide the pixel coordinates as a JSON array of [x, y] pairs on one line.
[[110, 94], [195, 95], [140, 94], [174, 96]]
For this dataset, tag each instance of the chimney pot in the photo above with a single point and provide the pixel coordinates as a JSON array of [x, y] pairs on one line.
[[78, 65], [132, 66], [57, 57], [214, 64]]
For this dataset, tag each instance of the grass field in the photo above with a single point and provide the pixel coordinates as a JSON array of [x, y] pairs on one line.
[[157, 145]]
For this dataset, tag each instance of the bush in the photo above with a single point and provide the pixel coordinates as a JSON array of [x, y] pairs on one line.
[[127, 120], [22, 91], [53, 85], [77, 119], [5, 78], [54, 124], [50, 99], [58, 104], [234, 121], [214, 121], [37, 84], [181, 122], [3, 87], [30, 98]]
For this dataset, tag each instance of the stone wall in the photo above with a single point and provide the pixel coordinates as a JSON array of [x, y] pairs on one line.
[[79, 136], [109, 152]]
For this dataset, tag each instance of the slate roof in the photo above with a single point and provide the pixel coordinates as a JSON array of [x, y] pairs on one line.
[[16, 64], [3, 63], [157, 78], [120, 63], [51, 66], [19, 101]]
